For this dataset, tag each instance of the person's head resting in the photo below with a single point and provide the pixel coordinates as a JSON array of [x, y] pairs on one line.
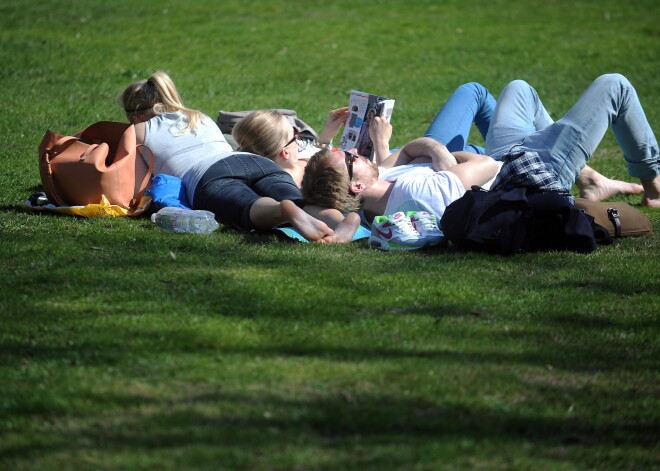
[[145, 99], [326, 182], [267, 133]]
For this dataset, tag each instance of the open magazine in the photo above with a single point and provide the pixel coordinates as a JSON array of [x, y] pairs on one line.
[[362, 108]]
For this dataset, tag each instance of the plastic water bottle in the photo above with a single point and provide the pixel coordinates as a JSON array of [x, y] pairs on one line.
[[185, 220]]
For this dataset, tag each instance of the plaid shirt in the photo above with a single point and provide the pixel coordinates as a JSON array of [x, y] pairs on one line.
[[526, 169]]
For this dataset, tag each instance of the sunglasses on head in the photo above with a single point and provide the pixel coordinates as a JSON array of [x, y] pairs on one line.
[[350, 158], [296, 136]]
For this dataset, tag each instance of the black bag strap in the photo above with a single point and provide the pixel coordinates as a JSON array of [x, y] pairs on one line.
[[613, 215]]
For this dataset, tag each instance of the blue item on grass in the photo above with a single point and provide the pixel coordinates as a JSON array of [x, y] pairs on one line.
[[167, 190], [289, 231]]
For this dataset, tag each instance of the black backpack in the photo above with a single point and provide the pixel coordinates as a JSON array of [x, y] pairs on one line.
[[518, 220]]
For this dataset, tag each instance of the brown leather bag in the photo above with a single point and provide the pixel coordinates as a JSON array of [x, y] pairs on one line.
[[103, 159], [620, 219]]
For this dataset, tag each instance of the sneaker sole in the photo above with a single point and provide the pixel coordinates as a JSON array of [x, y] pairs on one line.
[[377, 243]]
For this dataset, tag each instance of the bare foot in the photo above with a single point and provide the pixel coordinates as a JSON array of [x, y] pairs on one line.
[[595, 187], [650, 202], [609, 188], [345, 230], [651, 196], [308, 226]]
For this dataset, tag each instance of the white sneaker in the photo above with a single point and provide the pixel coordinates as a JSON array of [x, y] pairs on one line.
[[395, 232], [427, 225]]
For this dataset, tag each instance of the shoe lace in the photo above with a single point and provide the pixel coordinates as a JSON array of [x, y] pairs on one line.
[[428, 223], [406, 226]]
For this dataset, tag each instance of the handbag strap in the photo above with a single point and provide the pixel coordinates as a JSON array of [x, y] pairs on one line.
[[66, 142], [613, 215], [145, 181]]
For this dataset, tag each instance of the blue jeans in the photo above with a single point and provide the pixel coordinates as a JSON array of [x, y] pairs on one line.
[[566, 145], [230, 187], [470, 103]]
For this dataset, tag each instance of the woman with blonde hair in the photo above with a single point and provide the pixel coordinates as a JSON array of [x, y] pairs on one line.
[[244, 190], [263, 133], [269, 133], [178, 136]]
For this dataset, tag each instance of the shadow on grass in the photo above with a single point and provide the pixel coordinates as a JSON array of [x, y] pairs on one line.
[[394, 429], [558, 349]]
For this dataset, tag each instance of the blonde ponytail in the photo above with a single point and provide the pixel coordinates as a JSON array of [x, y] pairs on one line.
[[158, 95]]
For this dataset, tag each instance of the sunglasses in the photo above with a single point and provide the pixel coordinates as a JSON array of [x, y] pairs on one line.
[[296, 137], [350, 158]]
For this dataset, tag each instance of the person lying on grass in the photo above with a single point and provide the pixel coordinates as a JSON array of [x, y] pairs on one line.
[[345, 182], [267, 132], [244, 190]]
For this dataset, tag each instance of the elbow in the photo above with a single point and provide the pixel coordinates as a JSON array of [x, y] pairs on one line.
[[432, 144], [493, 165]]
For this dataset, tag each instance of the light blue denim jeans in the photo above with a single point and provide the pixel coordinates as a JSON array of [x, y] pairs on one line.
[[470, 103], [565, 146]]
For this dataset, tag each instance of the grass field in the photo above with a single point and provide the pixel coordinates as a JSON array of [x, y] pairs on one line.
[[123, 347]]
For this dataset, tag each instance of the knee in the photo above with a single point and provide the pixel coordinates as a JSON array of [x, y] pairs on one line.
[[474, 87], [519, 84], [613, 80], [518, 87]]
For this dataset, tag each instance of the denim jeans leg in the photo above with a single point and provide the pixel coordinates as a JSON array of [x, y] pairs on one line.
[[630, 126], [231, 186], [609, 101], [518, 113], [470, 103]]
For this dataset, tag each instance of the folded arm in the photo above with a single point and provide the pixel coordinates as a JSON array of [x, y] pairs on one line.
[[422, 150], [474, 169]]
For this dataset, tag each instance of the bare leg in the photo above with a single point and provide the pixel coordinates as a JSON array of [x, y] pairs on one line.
[[267, 213], [651, 196], [308, 226], [594, 186]]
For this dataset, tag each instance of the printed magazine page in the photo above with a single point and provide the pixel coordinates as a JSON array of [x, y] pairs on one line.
[[362, 107]]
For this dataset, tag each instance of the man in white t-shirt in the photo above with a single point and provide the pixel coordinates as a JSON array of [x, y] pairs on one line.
[[421, 176]]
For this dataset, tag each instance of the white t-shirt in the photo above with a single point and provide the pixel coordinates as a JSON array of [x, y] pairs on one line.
[[420, 188], [175, 153]]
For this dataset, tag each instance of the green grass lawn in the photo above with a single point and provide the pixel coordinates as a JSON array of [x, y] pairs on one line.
[[123, 347]]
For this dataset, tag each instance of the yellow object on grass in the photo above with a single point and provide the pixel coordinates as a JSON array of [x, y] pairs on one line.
[[101, 210]]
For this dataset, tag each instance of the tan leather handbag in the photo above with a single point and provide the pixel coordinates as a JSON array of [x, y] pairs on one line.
[[620, 219], [103, 159]]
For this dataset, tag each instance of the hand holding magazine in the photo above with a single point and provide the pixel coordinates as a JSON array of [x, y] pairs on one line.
[[362, 108]]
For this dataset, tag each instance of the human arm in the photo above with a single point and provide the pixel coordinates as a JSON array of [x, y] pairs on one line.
[[422, 150], [344, 227], [474, 169], [140, 130], [330, 216], [380, 132], [336, 118]]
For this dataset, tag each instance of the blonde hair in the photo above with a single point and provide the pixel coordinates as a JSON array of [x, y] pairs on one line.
[[327, 186], [261, 132], [157, 95]]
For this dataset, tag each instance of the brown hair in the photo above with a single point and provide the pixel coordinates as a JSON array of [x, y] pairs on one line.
[[327, 186], [157, 95], [261, 132]]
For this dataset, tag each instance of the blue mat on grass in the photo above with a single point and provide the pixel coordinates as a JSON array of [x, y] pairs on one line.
[[361, 233]]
